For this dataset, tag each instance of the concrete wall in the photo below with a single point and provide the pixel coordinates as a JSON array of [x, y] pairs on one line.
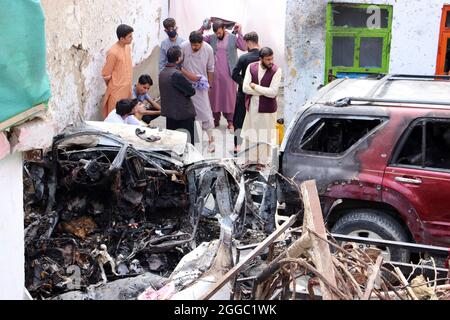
[[79, 33], [415, 36], [305, 52], [12, 260], [35, 134]]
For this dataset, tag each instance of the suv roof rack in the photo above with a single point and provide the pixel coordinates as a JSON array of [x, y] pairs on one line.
[[348, 101], [417, 76], [392, 77]]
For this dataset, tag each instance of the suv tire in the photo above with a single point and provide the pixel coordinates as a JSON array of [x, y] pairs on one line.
[[377, 222]]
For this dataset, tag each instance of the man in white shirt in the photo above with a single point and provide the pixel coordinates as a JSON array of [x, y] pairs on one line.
[[124, 112], [261, 85]]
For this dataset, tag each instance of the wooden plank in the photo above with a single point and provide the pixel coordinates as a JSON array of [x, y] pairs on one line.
[[313, 220], [23, 116], [237, 268], [372, 278], [405, 283]]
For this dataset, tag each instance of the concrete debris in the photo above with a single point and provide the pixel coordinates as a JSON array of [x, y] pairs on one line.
[[165, 293], [194, 264], [123, 289]]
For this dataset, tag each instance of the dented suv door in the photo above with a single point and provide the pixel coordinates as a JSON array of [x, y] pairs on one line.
[[420, 172], [326, 148]]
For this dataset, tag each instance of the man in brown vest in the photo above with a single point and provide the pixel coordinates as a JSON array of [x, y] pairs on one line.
[[261, 86]]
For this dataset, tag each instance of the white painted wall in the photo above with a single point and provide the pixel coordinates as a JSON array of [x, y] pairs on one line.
[[415, 36], [266, 17], [79, 33], [12, 259]]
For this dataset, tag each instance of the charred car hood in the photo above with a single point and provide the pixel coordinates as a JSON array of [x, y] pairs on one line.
[[172, 143]]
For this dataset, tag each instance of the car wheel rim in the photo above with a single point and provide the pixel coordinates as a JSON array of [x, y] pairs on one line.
[[385, 251]]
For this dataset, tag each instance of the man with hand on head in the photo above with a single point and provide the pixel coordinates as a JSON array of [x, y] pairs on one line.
[[124, 112], [223, 92], [140, 92]]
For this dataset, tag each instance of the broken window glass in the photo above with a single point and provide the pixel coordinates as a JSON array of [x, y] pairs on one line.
[[371, 53], [335, 136], [343, 51], [411, 154], [437, 145], [359, 17], [428, 145]]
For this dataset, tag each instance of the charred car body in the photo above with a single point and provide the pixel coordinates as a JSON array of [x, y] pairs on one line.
[[381, 160], [106, 196]]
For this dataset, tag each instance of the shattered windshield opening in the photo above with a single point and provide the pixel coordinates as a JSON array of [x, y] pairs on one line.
[[335, 136]]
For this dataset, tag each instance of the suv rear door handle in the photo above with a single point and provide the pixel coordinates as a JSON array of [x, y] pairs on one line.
[[408, 180]]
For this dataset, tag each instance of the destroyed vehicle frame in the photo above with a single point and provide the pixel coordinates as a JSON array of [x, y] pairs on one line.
[[151, 162], [96, 188]]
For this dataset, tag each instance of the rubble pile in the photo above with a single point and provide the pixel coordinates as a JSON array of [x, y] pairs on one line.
[[308, 263], [107, 220], [358, 274]]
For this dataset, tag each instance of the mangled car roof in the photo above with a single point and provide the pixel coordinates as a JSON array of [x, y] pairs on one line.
[[172, 141]]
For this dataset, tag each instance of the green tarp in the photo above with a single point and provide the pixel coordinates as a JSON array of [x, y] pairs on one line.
[[23, 79]]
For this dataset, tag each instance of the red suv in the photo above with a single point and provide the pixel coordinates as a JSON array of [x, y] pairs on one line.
[[379, 151]]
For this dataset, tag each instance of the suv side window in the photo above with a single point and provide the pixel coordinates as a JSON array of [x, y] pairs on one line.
[[333, 136], [427, 145]]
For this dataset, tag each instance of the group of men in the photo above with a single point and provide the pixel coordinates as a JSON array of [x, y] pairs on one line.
[[200, 80]]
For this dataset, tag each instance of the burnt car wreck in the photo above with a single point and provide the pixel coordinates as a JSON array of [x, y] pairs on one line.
[[101, 208]]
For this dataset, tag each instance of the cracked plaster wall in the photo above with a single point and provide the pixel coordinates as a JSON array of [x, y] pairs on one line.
[[79, 33], [415, 35]]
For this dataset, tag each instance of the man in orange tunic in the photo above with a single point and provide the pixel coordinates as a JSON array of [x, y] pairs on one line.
[[118, 70]]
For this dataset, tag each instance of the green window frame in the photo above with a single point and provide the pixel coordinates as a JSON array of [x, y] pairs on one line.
[[360, 36]]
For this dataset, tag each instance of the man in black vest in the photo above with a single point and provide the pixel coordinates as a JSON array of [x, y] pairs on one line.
[[176, 92], [238, 75]]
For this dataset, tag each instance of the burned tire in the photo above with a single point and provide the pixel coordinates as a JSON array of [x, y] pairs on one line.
[[369, 223]]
